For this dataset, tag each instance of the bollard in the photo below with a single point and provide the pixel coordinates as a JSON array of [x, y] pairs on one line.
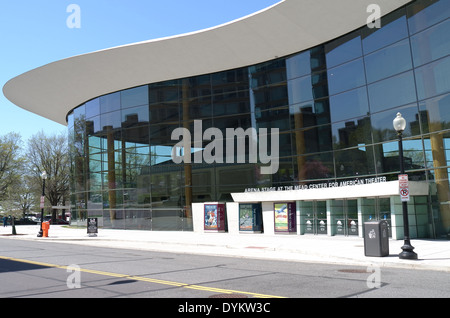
[[13, 227]]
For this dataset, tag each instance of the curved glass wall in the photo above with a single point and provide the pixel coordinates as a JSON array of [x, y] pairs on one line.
[[333, 105]]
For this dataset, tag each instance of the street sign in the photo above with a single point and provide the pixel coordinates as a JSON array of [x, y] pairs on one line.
[[403, 184], [42, 202]]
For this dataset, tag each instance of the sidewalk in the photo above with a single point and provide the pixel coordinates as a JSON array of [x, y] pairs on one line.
[[433, 254]]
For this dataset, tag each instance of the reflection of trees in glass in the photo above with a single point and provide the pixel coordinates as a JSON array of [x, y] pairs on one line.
[[50, 154]]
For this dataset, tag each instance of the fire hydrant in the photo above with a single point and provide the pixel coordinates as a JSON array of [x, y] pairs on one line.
[[45, 228]]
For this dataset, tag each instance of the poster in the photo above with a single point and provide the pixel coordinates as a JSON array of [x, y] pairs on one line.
[[281, 217], [285, 218], [246, 217], [92, 226], [250, 217], [214, 217], [210, 216]]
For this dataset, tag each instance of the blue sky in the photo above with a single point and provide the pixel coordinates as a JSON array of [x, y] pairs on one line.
[[34, 33]]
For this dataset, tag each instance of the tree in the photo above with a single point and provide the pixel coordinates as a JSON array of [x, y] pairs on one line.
[[11, 162], [50, 154]]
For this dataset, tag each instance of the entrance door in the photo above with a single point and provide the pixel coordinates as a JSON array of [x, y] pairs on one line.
[[344, 216], [314, 216]]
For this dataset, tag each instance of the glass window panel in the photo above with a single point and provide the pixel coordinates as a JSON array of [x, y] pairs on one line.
[[164, 94], [268, 73], [95, 144], [435, 114], [311, 140], [431, 44], [393, 28], [80, 113], [346, 76], [134, 116], [270, 96], [387, 156], [388, 61], [425, 13], [441, 144], [319, 84], [300, 90], [93, 125], [285, 148], [95, 163], [238, 77], [109, 103], [352, 133], [320, 166], [139, 134], [318, 58], [135, 96], [162, 134], [161, 154], [354, 162], [285, 173], [413, 154], [298, 65], [310, 114], [350, 104], [394, 91], [111, 119], [275, 118], [343, 49], [433, 79], [230, 106], [198, 108], [160, 113], [93, 108], [70, 120], [382, 126], [243, 121]]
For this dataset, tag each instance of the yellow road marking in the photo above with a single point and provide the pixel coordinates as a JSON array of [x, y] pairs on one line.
[[144, 279]]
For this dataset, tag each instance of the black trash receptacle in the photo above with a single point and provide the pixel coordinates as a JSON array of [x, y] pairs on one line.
[[376, 239]]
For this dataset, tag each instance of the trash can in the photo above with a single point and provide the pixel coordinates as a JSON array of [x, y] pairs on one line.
[[45, 228], [376, 239]]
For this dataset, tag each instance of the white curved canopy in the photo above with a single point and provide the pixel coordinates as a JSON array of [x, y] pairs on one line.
[[285, 28]]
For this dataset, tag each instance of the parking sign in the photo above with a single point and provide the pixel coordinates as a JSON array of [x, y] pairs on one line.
[[403, 187]]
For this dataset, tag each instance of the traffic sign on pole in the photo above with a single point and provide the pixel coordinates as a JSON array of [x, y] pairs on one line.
[[403, 187]]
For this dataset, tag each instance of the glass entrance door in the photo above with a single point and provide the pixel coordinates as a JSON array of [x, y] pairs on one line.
[[344, 216], [314, 217]]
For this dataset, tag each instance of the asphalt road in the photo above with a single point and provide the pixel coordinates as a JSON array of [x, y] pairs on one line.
[[44, 270]]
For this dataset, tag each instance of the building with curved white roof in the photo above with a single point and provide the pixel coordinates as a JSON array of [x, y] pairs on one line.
[[311, 73]]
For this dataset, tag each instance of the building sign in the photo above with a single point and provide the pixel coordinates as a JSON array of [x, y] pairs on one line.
[[324, 185], [403, 187]]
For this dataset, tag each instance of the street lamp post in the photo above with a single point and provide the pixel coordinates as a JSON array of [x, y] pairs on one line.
[[44, 177], [407, 249]]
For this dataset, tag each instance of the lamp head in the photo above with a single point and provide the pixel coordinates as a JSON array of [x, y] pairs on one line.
[[399, 123], [44, 175]]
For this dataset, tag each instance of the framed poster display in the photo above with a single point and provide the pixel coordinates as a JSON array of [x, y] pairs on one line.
[[250, 217], [214, 220], [285, 218]]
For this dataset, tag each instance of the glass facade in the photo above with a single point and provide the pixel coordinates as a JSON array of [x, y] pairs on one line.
[[333, 105]]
